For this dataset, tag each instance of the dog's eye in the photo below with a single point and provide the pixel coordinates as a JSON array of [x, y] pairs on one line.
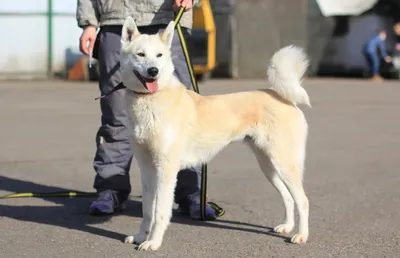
[[159, 55], [141, 54]]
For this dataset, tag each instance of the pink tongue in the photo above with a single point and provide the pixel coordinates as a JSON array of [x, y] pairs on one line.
[[152, 87]]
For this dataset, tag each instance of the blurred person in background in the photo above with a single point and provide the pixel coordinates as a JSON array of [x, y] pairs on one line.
[[377, 42], [113, 156]]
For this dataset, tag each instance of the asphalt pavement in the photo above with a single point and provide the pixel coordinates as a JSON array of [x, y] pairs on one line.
[[352, 179]]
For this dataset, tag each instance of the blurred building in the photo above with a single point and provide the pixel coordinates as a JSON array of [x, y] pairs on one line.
[[332, 32], [264, 26]]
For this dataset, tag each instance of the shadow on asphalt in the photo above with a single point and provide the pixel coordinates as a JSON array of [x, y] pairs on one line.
[[72, 213]]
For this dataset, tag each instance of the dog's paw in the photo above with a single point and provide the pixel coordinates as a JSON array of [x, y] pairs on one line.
[[299, 239], [149, 245], [283, 228], [137, 239], [129, 240]]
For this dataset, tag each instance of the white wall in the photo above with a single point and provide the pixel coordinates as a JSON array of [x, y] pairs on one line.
[[23, 44]]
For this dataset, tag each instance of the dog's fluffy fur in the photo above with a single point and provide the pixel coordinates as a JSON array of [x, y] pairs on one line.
[[176, 128]]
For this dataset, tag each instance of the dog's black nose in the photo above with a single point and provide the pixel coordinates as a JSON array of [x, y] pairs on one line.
[[152, 71]]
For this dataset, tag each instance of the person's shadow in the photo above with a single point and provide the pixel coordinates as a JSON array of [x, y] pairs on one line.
[[72, 213]]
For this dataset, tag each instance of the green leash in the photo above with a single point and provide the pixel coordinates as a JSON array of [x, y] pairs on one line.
[[203, 192], [49, 194]]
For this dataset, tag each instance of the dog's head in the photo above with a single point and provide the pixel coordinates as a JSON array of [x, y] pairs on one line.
[[146, 62]]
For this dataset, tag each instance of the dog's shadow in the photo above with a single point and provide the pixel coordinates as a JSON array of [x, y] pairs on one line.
[[72, 213]]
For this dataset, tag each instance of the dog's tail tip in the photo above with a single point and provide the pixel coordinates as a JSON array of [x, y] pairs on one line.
[[287, 67]]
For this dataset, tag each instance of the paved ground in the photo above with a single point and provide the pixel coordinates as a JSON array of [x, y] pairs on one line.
[[352, 179]]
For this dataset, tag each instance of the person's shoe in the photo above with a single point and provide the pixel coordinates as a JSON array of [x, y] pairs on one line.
[[191, 206], [106, 203], [195, 211]]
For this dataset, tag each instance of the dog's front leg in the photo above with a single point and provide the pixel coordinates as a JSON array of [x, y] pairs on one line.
[[166, 181], [149, 184]]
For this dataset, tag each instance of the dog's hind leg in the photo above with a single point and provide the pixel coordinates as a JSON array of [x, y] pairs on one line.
[[166, 182], [285, 147], [293, 181], [270, 173], [288, 160]]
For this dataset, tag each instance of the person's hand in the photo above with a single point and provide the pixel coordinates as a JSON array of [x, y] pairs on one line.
[[398, 46], [388, 59], [188, 4], [88, 36]]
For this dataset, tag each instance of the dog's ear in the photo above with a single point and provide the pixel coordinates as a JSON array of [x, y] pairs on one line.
[[168, 34], [129, 30]]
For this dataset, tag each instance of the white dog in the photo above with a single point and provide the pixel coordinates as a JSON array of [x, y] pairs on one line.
[[176, 128]]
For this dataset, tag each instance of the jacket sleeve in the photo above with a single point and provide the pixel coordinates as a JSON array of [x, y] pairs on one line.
[[87, 13]]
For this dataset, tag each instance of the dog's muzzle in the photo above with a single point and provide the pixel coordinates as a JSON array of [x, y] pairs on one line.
[[150, 84]]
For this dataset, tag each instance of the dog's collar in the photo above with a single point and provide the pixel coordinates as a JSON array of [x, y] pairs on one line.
[[118, 87]]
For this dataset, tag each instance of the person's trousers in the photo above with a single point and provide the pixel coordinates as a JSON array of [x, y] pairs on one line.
[[114, 153], [373, 62]]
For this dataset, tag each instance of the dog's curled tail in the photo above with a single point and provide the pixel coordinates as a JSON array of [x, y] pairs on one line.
[[286, 68]]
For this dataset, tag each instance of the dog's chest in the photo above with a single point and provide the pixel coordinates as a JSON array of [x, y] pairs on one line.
[[151, 128], [145, 124]]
